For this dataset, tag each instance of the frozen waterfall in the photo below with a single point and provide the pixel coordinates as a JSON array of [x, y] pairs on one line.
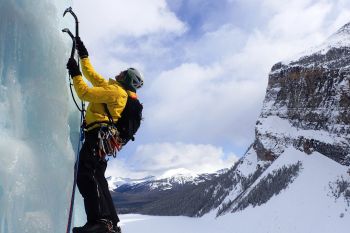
[[36, 160]]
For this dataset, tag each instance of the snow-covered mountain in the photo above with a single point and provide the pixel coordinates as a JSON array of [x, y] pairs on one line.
[[168, 180], [151, 194], [115, 182], [296, 169]]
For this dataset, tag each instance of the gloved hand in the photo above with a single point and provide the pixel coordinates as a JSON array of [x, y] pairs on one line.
[[73, 68], [81, 48]]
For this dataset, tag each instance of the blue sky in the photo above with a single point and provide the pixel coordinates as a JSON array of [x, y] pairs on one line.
[[206, 66]]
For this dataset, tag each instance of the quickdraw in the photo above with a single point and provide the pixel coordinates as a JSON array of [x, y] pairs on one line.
[[109, 143]]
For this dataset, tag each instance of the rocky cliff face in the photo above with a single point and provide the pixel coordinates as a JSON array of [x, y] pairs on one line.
[[307, 103]]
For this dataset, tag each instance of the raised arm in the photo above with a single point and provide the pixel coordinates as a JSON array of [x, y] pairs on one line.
[[88, 70], [105, 94], [90, 74]]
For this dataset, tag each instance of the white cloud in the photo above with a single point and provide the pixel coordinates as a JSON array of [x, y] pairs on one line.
[[106, 19], [107, 27], [215, 45], [164, 158], [157, 158], [298, 22], [196, 103], [276, 6]]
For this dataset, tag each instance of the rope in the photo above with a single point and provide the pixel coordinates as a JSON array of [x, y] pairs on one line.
[[76, 167], [75, 102]]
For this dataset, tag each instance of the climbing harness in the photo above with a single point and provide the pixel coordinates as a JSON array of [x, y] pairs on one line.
[[112, 135], [109, 141], [82, 116]]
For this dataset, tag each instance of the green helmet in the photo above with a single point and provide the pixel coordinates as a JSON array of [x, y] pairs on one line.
[[132, 79]]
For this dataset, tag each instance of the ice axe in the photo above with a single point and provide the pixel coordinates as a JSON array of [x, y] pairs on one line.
[[69, 10], [66, 30]]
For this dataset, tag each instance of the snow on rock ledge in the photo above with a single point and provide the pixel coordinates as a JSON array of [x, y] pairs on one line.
[[307, 103]]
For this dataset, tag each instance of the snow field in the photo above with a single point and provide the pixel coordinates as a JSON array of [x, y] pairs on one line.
[[306, 206]]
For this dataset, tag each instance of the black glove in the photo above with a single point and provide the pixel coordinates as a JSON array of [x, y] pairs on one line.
[[73, 68], [81, 48]]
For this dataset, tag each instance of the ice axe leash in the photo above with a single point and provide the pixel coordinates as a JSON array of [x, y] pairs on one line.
[[82, 117], [66, 30], [69, 10]]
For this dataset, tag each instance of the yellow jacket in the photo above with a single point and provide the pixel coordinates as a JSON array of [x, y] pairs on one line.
[[103, 91]]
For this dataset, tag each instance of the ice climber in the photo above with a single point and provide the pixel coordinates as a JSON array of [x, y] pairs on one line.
[[107, 101]]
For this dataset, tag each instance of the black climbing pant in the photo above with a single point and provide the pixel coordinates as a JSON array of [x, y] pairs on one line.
[[92, 183]]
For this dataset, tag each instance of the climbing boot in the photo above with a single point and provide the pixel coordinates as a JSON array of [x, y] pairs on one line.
[[92, 227]]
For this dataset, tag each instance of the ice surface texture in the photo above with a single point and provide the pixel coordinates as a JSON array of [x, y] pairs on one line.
[[36, 161]]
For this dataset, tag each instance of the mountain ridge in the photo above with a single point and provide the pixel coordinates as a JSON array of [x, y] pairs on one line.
[[165, 180]]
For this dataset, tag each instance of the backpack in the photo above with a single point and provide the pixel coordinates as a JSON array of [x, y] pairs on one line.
[[130, 120]]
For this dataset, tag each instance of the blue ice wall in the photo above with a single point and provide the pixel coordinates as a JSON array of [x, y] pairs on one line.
[[36, 156]]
